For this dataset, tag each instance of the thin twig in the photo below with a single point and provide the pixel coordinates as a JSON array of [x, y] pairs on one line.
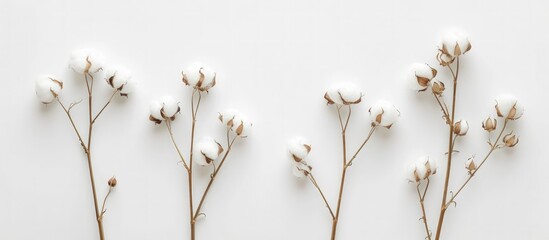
[[103, 210], [313, 180], [362, 146], [105, 106], [229, 147], [424, 215], [67, 111], [169, 126]]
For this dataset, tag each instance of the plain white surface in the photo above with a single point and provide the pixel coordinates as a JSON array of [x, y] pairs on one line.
[[274, 59]]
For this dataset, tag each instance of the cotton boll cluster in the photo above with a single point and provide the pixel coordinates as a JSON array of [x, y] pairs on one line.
[[164, 109], [422, 169], [48, 88], [119, 79], [508, 107], [343, 94], [461, 127], [299, 149], [422, 74], [199, 77], [236, 122], [206, 151], [86, 61], [384, 114], [452, 45]]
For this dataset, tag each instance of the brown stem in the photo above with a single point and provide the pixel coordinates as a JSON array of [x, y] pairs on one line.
[[89, 158], [190, 169], [450, 151], [229, 147], [344, 171], [472, 174], [424, 215], [443, 107], [313, 180]]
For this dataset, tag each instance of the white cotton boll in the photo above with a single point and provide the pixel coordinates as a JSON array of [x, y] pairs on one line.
[[454, 44], [84, 60], [430, 165], [299, 149], [420, 74], [421, 170], [48, 88], [343, 94], [226, 117], [197, 71], [155, 109], [384, 113], [170, 106], [206, 151], [241, 125], [118, 77], [461, 127], [508, 106], [301, 169]]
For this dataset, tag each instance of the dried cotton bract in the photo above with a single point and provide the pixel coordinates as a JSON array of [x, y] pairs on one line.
[[165, 109], [85, 61], [384, 114], [343, 94], [199, 77], [236, 122], [48, 88], [508, 107], [206, 151]]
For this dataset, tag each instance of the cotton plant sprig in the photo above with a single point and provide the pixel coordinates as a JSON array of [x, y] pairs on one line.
[[342, 97], [452, 47], [89, 65], [206, 150]]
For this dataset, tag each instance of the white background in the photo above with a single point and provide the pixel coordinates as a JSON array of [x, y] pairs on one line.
[[274, 59]]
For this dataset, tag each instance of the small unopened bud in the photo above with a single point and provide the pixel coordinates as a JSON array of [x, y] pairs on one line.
[[437, 87], [112, 182], [490, 124], [470, 165], [510, 140], [461, 127]]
